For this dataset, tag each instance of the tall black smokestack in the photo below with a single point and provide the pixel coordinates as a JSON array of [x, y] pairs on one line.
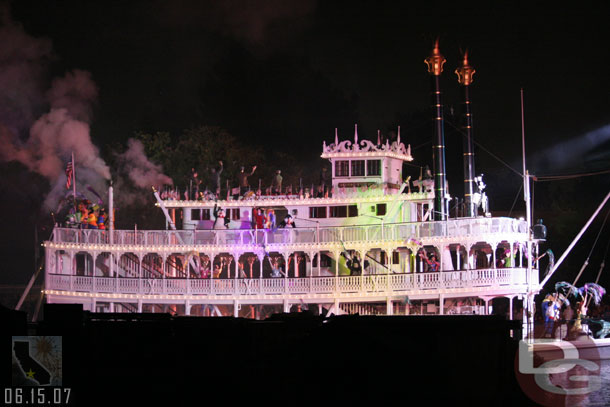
[[435, 67], [465, 74]]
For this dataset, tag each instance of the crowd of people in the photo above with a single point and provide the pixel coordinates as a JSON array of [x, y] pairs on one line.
[[86, 215], [557, 312], [210, 186]]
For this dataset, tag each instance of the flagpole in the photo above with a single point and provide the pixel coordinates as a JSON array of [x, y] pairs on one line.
[[73, 179]]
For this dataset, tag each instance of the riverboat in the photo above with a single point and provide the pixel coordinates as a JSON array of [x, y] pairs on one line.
[[370, 242]]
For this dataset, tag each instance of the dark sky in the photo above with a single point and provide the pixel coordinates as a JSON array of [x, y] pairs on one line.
[[286, 73]]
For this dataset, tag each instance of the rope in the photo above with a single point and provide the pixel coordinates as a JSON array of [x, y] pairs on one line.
[[570, 176], [592, 248], [515, 201]]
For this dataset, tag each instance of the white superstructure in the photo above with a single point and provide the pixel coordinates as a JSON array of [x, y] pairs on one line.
[[368, 212]]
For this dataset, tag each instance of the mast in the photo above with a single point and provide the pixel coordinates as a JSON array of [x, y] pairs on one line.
[[526, 180], [435, 67], [465, 73]]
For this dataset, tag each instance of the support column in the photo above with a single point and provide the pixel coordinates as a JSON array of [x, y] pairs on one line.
[[441, 304], [286, 306], [389, 307], [139, 305], [187, 308], [235, 308], [336, 255]]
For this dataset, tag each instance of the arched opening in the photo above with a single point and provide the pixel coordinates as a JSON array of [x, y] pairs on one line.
[[298, 264], [152, 266], [223, 266], [455, 258], [128, 266], [505, 257], [205, 266], [480, 256], [62, 262], [83, 264], [248, 266], [104, 265], [402, 260], [427, 260], [275, 266], [175, 265], [322, 264]]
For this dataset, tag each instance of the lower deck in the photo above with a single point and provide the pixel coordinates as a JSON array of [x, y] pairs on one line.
[[393, 290]]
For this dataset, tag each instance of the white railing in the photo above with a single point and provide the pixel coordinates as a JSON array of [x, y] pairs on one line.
[[375, 283], [393, 231]]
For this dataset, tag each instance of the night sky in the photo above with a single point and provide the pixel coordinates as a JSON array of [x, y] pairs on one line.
[[285, 74]]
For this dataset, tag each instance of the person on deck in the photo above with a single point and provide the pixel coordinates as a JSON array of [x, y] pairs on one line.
[[215, 175], [219, 213], [288, 221], [259, 219], [276, 184], [101, 219], [92, 219], [242, 178], [354, 265]]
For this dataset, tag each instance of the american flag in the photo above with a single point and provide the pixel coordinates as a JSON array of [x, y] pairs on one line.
[[69, 172]]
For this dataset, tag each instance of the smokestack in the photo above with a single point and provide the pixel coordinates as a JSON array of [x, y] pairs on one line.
[[465, 73], [435, 67]]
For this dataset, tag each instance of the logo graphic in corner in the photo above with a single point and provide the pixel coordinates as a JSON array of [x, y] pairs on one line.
[[37, 361], [558, 373]]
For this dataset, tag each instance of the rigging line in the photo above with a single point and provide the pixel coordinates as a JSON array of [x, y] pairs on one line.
[[591, 251], [515, 201], [599, 234], [570, 176], [601, 266], [486, 150]]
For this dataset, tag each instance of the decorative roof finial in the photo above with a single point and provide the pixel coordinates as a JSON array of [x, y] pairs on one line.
[[355, 134], [398, 138], [336, 137], [465, 72], [378, 137], [435, 61]]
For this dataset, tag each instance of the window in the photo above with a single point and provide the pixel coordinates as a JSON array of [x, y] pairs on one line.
[[234, 214], [373, 168], [395, 257], [341, 168], [204, 214], [338, 211], [317, 212], [381, 209], [352, 211], [358, 168]]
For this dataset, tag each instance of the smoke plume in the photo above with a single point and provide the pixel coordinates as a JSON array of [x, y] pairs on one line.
[[43, 127]]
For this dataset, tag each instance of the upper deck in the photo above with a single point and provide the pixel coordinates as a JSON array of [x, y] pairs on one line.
[[461, 229]]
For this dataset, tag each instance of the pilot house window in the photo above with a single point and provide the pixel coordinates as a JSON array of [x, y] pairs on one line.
[[373, 168], [358, 168], [341, 168], [317, 212]]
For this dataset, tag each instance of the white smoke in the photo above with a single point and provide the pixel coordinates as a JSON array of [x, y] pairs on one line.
[[141, 171], [63, 131], [23, 63]]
